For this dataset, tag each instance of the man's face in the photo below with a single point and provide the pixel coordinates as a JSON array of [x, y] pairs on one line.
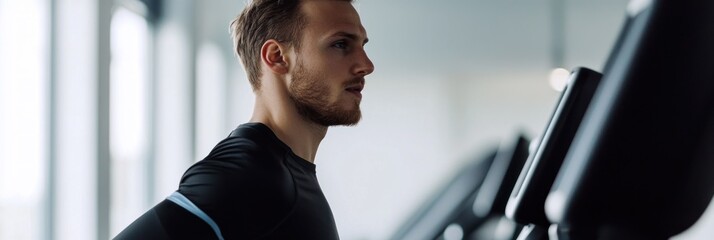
[[331, 64]]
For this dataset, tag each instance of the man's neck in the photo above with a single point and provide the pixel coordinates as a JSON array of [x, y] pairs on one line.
[[302, 136]]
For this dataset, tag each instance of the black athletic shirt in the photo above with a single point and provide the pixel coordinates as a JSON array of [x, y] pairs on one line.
[[252, 186]]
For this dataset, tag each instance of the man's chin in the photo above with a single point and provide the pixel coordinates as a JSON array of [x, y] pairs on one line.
[[330, 115], [347, 118], [350, 124]]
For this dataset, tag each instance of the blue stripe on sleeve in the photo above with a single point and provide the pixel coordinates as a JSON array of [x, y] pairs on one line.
[[182, 201]]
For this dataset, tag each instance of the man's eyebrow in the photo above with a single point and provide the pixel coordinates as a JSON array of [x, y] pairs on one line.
[[351, 36]]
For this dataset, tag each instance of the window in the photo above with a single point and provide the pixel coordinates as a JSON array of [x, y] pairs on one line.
[[23, 117], [129, 117]]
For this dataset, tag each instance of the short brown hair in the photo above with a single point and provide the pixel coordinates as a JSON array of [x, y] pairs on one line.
[[260, 21]]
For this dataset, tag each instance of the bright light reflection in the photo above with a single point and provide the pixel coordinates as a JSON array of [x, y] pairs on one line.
[[453, 232], [559, 79]]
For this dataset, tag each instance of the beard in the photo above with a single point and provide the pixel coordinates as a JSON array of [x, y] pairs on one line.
[[310, 94]]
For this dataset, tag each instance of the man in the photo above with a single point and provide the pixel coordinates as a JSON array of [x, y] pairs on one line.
[[306, 63]]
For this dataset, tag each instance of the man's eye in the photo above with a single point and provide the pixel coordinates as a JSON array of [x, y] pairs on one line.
[[340, 45]]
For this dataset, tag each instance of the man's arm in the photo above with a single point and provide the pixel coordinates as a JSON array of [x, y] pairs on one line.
[[167, 220]]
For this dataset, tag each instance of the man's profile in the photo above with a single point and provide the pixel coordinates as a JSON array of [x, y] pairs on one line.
[[306, 63]]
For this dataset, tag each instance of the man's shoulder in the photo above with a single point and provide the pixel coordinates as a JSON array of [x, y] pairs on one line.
[[237, 159], [247, 167], [241, 185], [242, 148], [240, 172]]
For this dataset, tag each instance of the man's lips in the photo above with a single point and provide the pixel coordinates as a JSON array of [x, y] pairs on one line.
[[356, 84], [356, 88]]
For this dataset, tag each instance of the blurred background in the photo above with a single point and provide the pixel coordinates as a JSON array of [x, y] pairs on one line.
[[105, 103]]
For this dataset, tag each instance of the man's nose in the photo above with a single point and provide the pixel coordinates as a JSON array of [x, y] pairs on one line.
[[364, 65]]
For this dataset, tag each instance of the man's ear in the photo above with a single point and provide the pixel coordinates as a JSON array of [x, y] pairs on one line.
[[273, 55]]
